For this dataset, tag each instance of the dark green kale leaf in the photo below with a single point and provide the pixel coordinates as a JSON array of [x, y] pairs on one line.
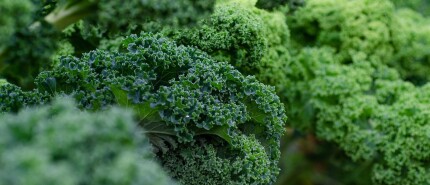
[[177, 91]]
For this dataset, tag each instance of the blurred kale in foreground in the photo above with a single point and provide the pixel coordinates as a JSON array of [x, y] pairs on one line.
[[59, 144]]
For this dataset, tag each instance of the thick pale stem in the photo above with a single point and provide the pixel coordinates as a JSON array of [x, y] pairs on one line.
[[69, 15]]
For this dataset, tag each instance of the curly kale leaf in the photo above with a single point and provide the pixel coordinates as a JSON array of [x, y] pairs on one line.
[[181, 89], [192, 164], [370, 31], [411, 40], [347, 83], [58, 144], [12, 98], [357, 29], [112, 21], [232, 33], [368, 112], [254, 41]]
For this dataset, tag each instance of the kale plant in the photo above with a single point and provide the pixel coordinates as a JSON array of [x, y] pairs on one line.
[[59, 144]]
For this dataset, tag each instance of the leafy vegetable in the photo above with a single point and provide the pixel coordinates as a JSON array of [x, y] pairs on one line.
[[346, 87], [182, 90], [58, 144], [352, 76]]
